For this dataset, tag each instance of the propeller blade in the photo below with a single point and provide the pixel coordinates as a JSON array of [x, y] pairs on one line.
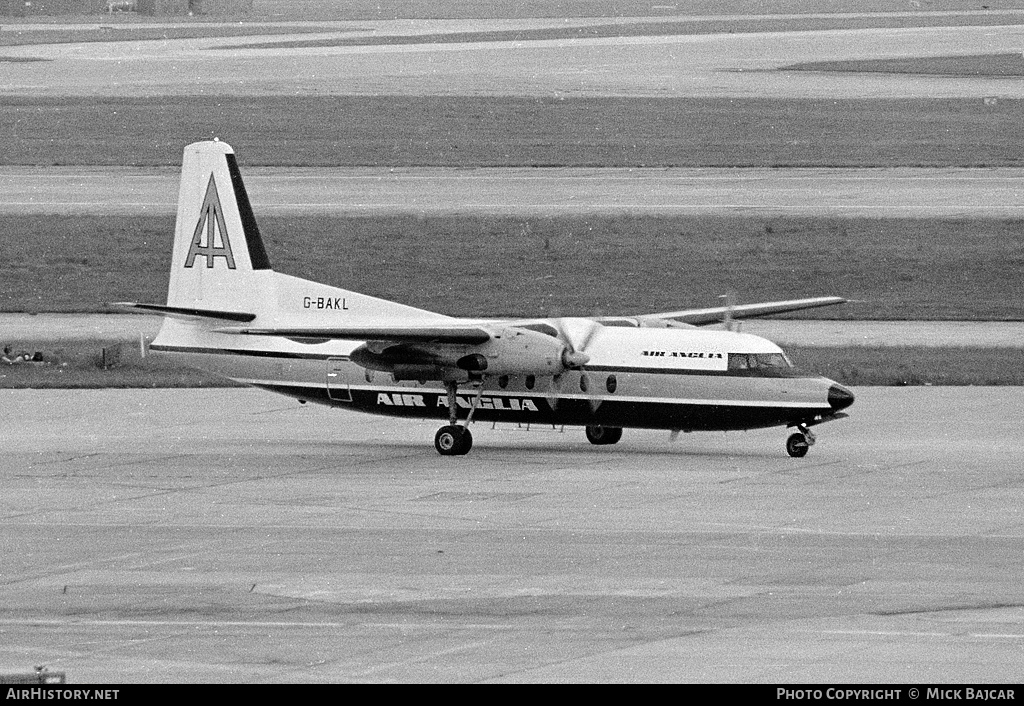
[[593, 328], [728, 323], [556, 387]]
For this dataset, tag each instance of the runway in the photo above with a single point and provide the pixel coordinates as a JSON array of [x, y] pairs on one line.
[[233, 536], [871, 193]]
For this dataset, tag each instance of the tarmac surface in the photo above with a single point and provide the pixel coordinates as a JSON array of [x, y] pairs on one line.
[[235, 536], [723, 64]]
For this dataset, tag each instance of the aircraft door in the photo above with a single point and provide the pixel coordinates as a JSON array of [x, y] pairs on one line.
[[337, 388]]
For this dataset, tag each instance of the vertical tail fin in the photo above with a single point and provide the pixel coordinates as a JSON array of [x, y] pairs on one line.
[[220, 270], [219, 261]]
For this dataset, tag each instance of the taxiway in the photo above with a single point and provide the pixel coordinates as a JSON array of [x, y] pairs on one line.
[[835, 192], [230, 535]]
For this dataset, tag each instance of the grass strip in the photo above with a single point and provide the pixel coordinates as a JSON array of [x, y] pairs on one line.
[[533, 266], [87, 364], [974, 65], [497, 131]]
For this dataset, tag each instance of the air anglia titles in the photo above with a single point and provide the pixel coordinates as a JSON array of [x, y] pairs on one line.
[[396, 399], [682, 354]]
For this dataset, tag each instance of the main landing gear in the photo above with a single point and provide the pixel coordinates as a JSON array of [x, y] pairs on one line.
[[454, 439], [603, 435], [798, 444]]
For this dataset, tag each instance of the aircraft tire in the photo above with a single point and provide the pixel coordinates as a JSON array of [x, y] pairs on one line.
[[796, 445], [603, 435], [453, 440]]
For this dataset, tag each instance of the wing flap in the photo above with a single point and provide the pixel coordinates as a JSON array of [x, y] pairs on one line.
[[398, 334]]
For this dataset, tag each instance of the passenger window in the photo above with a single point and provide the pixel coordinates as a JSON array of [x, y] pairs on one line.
[[503, 382], [611, 383], [530, 382], [583, 383], [368, 374]]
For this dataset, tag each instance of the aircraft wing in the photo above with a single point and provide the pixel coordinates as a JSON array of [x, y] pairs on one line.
[[717, 314], [397, 334]]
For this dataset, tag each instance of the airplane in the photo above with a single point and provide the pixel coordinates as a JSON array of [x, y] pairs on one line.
[[228, 312]]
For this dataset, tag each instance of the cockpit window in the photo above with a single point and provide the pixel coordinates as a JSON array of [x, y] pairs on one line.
[[772, 360], [756, 361], [739, 361]]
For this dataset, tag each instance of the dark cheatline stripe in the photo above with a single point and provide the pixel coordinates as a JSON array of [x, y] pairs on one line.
[[257, 253], [570, 412]]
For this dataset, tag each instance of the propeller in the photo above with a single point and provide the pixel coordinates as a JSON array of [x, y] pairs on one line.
[[574, 355]]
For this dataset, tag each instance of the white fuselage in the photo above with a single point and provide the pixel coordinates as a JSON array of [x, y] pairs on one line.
[[668, 378]]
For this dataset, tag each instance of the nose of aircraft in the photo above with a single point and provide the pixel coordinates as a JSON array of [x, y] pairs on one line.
[[839, 397]]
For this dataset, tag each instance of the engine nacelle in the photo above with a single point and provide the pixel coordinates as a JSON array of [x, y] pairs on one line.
[[515, 351], [512, 351]]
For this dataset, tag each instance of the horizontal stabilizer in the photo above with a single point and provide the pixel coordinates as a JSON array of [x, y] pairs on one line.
[[399, 334], [183, 312], [714, 315]]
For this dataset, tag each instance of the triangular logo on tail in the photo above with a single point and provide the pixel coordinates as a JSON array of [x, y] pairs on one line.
[[211, 222]]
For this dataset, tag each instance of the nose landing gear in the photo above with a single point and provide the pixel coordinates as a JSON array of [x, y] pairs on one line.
[[798, 444]]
